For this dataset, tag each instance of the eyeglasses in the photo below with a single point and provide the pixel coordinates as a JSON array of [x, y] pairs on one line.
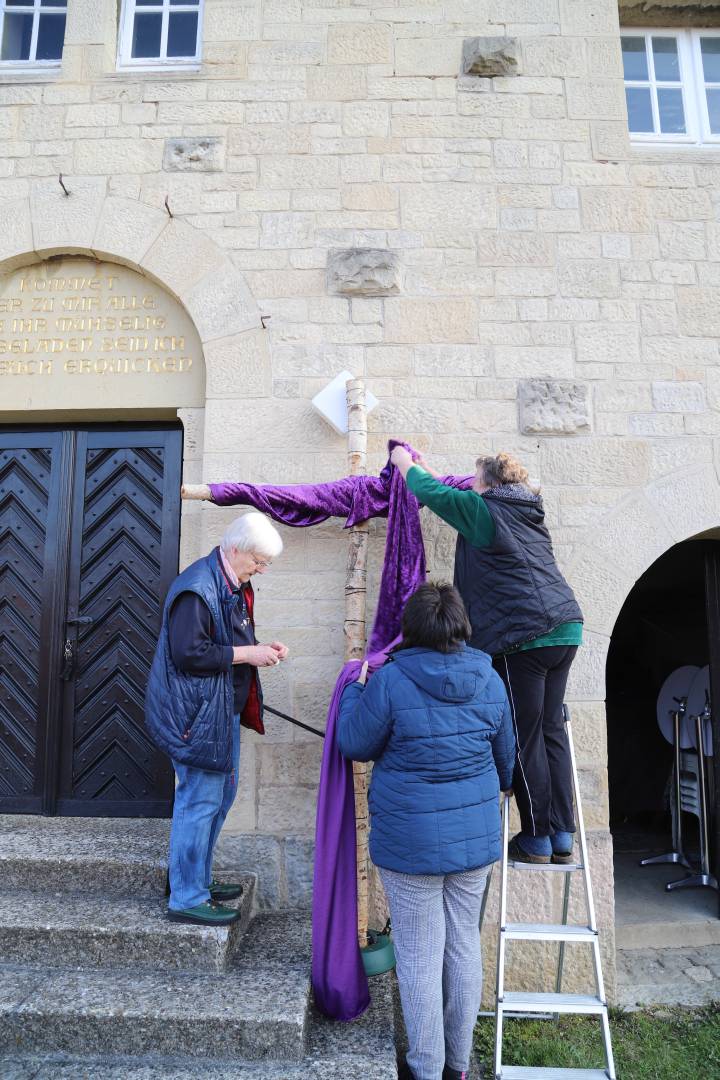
[[261, 564]]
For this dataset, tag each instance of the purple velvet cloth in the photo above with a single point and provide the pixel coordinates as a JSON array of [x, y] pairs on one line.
[[339, 981]]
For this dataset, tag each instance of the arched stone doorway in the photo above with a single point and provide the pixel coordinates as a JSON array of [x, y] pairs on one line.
[[109, 309], [609, 558], [669, 620], [663, 625]]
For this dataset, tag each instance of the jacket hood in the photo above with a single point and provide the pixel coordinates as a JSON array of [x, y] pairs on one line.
[[457, 676]]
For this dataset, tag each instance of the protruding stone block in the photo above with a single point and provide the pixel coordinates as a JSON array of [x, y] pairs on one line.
[[363, 272], [487, 57], [553, 407], [202, 153]]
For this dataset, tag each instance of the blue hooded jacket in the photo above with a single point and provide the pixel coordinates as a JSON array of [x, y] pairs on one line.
[[439, 729]]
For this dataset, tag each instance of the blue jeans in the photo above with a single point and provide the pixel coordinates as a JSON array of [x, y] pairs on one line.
[[202, 802]]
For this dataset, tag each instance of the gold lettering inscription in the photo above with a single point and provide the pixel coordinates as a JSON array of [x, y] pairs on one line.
[[74, 283], [26, 367], [43, 303], [109, 323], [127, 365], [131, 303], [81, 303], [93, 323], [28, 326], [124, 344]]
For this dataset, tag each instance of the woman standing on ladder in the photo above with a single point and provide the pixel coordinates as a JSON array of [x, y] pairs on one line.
[[524, 613]]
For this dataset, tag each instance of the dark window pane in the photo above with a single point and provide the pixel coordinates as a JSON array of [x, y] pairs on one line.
[[639, 108], [146, 36], [713, 100], [53, 3], [186, 3], [51, 34], [666, 59], [672, 114], [710, 48], [148, 3], [182, 33], [634, 59], [17, 35], [18, 3]]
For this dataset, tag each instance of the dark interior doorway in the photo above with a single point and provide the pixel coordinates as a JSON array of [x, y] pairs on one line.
[[89, 540], [670, 618]]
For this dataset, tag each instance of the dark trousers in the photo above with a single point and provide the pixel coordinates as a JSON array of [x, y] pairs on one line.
[[535, 680]]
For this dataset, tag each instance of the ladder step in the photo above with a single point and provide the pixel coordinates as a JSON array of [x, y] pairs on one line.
[[534, 1072], [554, 868], [552, 1003], [547, 932]]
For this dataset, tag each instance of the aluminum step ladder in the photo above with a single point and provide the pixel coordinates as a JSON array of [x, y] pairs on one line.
[[548, 1006]]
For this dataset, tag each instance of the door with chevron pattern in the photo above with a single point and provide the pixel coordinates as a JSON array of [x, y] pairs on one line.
[[89, 536]]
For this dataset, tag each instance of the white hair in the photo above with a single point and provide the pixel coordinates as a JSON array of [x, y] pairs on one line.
[[253, 532]]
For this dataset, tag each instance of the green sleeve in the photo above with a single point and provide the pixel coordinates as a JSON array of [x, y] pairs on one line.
[[464, 509]]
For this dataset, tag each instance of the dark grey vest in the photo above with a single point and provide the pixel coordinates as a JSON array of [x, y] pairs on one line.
[[513, 590]]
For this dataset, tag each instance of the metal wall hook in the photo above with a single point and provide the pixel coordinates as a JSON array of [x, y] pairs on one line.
[[62, 185], [167, 206]]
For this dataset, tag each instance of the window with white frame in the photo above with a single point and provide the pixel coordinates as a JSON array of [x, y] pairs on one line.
[[32, 32], [160, 32], [672, 85]]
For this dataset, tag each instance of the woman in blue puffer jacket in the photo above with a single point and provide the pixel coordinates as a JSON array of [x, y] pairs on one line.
[[436, 722]]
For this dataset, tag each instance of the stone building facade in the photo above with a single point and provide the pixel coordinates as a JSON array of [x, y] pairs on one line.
[[519, 278]]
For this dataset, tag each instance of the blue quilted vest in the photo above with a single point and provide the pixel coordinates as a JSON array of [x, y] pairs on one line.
[[189, 717]]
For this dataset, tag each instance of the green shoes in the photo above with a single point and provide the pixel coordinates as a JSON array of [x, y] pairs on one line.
[[221, 891], [207, 914]]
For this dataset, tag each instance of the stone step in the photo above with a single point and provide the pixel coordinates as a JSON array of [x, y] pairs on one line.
[[52, 1067], [84, 856], [363, 1050], [272, 938], [247, 1013], [667, 976], [59, 930]]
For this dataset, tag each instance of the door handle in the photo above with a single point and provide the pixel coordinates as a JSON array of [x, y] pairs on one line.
[[68, 668], [68, 661]]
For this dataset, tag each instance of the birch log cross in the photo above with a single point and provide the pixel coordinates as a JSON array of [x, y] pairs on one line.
[[355, 625], [355, 601]]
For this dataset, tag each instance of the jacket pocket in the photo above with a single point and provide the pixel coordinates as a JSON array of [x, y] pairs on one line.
[[197, 721]]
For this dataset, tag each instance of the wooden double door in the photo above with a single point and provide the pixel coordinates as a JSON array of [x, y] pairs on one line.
[[89, 538]]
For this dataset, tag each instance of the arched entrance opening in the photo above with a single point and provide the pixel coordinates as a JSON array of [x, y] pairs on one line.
[[670, 619], [97, 364]]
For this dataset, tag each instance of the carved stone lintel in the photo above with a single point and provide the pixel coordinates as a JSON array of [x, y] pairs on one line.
[[487, 57]]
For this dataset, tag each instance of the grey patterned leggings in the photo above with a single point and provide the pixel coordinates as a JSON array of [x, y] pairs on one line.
[[435, 921]]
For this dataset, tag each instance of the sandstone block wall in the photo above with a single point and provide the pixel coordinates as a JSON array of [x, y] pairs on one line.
[[549, 291]]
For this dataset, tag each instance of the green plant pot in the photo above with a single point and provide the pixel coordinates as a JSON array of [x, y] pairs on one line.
[[378, 955]]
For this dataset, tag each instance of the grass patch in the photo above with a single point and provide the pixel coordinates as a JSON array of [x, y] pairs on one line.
[[655, 1044]]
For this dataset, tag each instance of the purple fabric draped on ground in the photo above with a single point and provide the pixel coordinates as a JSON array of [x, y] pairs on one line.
[[339, 981]]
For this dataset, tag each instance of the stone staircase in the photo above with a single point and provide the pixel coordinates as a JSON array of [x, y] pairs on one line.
[[95, 982]]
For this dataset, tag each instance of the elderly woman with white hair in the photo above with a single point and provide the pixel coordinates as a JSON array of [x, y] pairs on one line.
[[203, 685]]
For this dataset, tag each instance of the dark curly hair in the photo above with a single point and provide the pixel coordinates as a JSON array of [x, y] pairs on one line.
[[435, 618]]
